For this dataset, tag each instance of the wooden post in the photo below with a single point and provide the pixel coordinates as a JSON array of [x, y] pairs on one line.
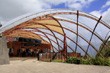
[[65, 46]]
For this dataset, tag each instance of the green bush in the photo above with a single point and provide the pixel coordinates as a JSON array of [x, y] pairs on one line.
[[72, 60], [84, 61], [99, 61], [56, 61], [96, 61], [90, 61], [107, 62], [105, 51]]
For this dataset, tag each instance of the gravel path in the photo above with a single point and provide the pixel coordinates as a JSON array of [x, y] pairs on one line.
[[33, 66]]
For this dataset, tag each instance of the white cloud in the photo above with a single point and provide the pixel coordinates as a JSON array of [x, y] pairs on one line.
[[106, 16], [10, 9], [107, 4], [76, 6], [56, 2], [96, 13], [79, 4]]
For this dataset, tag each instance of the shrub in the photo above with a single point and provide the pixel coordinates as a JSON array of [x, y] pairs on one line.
[[56, 61], [84, 61], [72, 60], [90, 61], [101, 61], [107, 62], [98, 61]]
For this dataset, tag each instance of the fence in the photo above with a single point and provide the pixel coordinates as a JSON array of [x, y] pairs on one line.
[[56, 56]]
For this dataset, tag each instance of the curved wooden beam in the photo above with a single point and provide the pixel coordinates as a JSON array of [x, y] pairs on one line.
[[78, 35], [33, 36], [70, 31], [96, 34], [48, 29], [71, 40], [72, 13], [83, 27], [58, 23], [57, 38], [92, 36], [66, 13], [44, 26], [43, 32], [51, 44]]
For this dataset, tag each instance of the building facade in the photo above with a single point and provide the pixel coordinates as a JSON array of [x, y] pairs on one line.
[[27, 47]]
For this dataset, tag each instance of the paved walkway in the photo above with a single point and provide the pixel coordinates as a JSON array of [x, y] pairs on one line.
[[33, 66]]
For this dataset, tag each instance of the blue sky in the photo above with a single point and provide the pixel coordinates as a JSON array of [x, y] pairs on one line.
[[95, 5]]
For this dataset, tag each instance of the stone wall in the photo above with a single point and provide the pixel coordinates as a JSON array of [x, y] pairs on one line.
[[4, 57]]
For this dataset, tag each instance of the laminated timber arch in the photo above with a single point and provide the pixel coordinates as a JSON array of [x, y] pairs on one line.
[[50, 20], [37, 30]]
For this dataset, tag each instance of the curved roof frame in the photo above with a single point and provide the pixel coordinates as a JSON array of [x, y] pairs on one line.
[[18, 30], [57, 38], [49, 40], [51, 32], [91, 31], [95, 35], [79, 25], [44, 26], [37, 30], [92, 35], [48, 37], [59, 12], [75, 33], [75, 43], [72, 41], [70, 31], [54, 12]]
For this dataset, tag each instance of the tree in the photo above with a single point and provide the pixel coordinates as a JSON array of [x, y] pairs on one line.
[[106, 50]]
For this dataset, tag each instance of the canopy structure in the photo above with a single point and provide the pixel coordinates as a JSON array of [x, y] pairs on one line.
[[84, 32]]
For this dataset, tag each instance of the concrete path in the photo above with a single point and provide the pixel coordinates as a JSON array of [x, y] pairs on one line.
[[33, 66]]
